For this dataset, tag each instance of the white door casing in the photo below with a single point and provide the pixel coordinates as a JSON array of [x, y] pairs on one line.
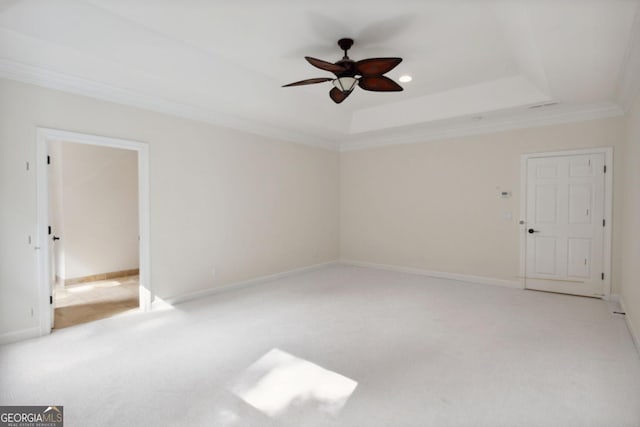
[[567, 210], [43, 246]]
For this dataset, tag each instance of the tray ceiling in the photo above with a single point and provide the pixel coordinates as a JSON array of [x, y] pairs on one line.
[[472, 63]]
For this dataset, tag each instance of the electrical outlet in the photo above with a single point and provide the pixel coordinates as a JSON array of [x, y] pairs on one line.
[[213, 272]]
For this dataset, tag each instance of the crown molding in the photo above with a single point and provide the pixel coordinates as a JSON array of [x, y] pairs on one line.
[[527, 119], [629, 80], [406, 135], [64, 82]]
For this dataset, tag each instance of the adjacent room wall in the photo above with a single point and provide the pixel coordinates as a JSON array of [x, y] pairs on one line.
[[630, 289], [99, 210], [245, 205], [436, 206]]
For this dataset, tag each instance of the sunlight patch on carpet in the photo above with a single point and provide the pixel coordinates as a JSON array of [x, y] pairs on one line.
[[280, 382]]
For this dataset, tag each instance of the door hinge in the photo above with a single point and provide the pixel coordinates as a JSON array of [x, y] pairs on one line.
[[48, 160], [49, 228], [605, 168], [602, 276], [603, 222], [50, 299]]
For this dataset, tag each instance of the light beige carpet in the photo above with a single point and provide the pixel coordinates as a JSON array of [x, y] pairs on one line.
[[342, 346]]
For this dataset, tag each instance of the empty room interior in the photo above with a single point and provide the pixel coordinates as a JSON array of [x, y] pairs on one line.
[[292, 213]]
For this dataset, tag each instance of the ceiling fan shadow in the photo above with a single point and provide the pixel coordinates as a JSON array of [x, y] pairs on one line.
[[385, 30]]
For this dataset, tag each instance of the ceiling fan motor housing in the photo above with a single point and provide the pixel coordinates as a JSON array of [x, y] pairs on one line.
[[350, 68]]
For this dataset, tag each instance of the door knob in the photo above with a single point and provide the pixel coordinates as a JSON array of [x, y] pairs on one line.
[[531, 231], [55, 238]]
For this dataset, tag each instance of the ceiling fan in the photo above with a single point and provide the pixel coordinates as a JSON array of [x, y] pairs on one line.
[[347, 71]]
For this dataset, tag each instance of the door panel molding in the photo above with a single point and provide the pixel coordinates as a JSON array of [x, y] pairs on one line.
[[587, 170]]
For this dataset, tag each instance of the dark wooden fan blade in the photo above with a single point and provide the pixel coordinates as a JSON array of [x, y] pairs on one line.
[[376, 66], [309, 81], [324, 65], [379, 84], [337, 95]]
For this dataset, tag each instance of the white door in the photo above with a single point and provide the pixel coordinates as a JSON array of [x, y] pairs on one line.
[[51, 243], [565, 210], [52, 279]]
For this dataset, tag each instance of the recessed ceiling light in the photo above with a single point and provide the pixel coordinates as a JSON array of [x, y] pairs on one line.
[[405, 79]]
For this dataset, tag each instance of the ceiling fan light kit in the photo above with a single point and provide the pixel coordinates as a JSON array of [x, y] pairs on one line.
[[345, 84], [347, 71]]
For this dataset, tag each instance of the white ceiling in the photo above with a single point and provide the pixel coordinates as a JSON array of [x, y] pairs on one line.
[[475, 64]]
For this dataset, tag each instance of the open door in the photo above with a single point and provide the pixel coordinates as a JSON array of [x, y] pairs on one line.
[[49, 266], [51, 192], [52, 278]]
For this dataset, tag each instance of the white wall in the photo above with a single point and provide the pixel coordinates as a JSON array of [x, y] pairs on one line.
[[630, 292], [251, 206], [246, 205], [98, 209], [435, 205]]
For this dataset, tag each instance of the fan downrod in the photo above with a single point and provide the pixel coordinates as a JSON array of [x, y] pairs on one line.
[[345, 44]]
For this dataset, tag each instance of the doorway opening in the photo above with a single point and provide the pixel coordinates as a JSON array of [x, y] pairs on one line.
[[566, 208], [93, 227]]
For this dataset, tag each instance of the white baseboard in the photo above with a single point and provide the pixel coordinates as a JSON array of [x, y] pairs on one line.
[[635, 336], [612, 297], [239, 285], [21, 335], [439, 274]]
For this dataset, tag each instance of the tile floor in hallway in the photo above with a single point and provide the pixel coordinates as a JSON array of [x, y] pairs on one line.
[[86, 302]]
